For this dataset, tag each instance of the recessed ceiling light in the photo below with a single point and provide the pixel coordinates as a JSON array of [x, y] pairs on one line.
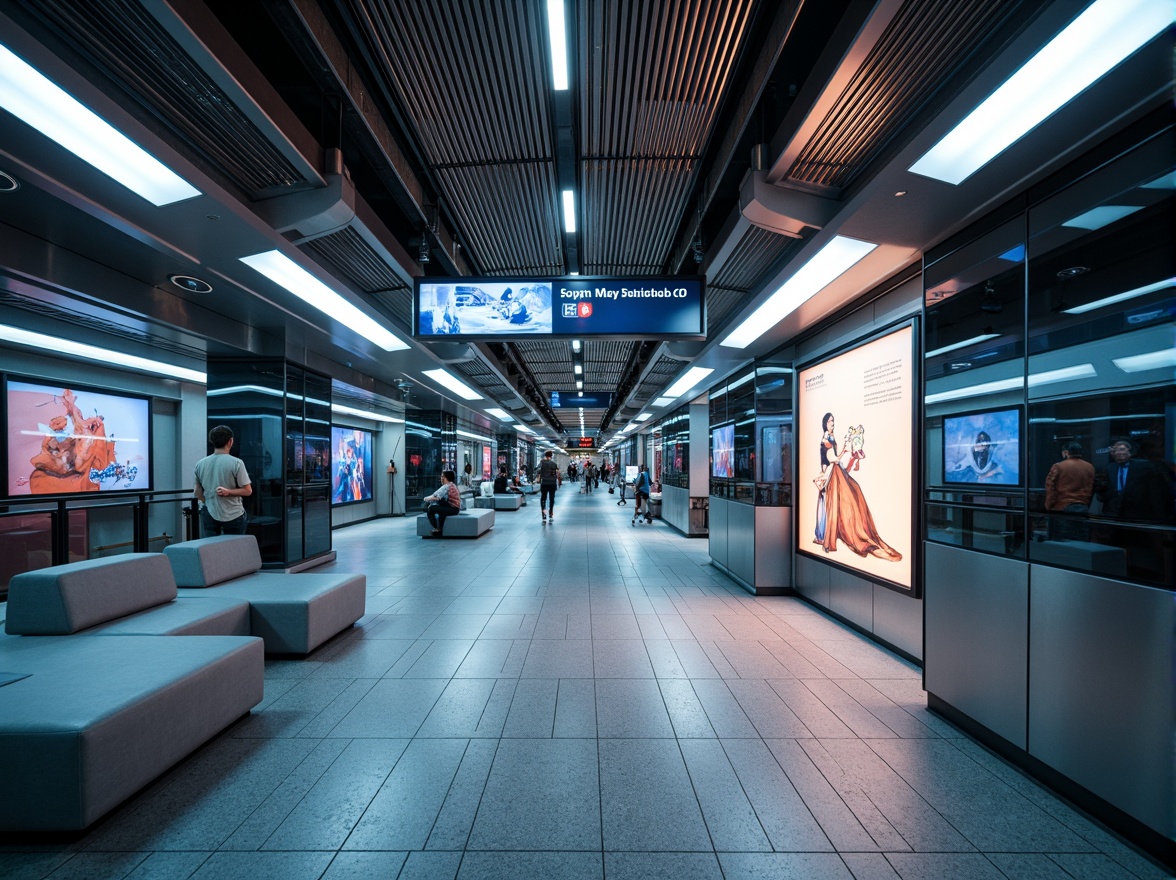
[[8, 183], [190, 284], [448, 380]]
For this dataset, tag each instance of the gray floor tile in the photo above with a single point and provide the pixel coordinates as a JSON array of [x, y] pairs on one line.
[[532, 709], [575, 708], [869, 866], [558, 658], [722, 709], [542, 794], [392, 708], [263, 866], [88, 865], [531, 866], [452, 829], [402, 814], [365, 865], [430, 866], [631, 707], [647, 801], [729, 815], [685, 709], [784, 866], [662, 866], [936, 866], [620, 658]]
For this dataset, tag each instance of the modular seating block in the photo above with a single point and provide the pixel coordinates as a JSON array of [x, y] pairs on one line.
[[467, 524], [293, 613], [99, 717], [506, 501], [131, 594]]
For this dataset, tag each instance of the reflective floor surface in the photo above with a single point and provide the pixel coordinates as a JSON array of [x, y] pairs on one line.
[[586, 699]]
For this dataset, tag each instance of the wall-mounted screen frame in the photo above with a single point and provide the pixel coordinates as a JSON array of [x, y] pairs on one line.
[[66, 439], [983, 447], [578, 306], [856, 490], [723, 451], [351, 465]]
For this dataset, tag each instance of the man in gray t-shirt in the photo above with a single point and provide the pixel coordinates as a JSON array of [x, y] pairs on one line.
[[221, 483]]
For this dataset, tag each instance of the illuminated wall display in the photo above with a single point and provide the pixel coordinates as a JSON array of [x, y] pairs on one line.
[[585, 399], [63, 440], [577, 306], [855, 453], [351, 465]]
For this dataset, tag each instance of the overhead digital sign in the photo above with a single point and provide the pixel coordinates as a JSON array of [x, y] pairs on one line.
[[586, 443], [581, 399], [574, 306]]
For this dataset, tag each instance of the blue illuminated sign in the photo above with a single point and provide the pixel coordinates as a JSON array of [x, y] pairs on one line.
[[585, 399], [522, 308]]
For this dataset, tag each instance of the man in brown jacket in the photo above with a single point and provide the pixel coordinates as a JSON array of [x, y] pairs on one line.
[[1069, 486]]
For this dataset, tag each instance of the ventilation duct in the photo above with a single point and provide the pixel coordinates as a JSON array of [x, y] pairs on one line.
[[783, 211]]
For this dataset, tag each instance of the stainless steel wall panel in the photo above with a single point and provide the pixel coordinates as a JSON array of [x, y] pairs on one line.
[[977, 640], [741, 541], [718, 531], [773, 547], [898, 620], [1101, 688], [852, 598], [812, 580], [676, 507]]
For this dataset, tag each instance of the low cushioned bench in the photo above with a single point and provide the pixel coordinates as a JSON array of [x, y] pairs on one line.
[[467, 524], [99, 717], [293, 613], [132, 594], [111, 699], [507, 501]]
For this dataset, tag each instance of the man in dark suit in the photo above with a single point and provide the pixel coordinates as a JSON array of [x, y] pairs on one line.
[[1134, 490]]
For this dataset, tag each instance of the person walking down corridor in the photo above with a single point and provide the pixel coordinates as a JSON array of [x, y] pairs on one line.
[[641, 489], [549, 480]]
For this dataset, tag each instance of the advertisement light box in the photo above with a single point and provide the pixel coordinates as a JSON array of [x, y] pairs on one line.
[[576, 306], [581, 399]]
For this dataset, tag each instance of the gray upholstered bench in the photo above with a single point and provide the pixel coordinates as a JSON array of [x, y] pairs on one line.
[[99, 717], [467, 524], [506, 501], [294, 613], [132, 594]]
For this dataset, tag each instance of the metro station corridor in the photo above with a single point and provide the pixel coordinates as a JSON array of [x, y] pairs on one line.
[[589, 699]]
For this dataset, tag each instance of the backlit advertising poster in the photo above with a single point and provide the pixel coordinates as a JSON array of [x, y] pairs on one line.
[[855, 454], [575, 306], [63, 440], [351, 460]]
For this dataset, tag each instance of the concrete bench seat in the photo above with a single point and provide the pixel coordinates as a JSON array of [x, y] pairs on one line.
[[467, 524], [101, 716], [506, 501], [293, 613]]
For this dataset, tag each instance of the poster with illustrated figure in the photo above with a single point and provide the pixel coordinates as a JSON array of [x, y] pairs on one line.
[[64, 440], [855, 471]]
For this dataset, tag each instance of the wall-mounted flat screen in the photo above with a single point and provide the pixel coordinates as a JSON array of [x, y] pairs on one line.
[[723, 451], [855, 459], [576, 306], [65, 439], [983, 447], [351, 465]]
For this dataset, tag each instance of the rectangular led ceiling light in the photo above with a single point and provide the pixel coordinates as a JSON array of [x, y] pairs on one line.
[[448, 380], [689, 379], [662, 401], [826, 265], [1108, 32], [644, 417], [1121, 297], [500, 414], [106, 356], [569, 209], [29, 96], [284, 272], [557, 37]]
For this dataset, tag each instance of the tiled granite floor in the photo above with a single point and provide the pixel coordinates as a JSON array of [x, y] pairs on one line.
[[588, 699]]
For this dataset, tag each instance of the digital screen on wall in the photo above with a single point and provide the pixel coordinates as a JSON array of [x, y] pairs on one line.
[[64, 439], [485, 462], [855, 454], [351, 465], [983, 447], [723, 451], [577, 306]]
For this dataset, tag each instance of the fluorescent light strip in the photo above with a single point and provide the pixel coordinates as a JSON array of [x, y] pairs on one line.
[[441, 377], [1089, 47], [983, 337], [830, 262], [461, 433], [106, 356], [644, 417], [284, 272], [569, 211], [1152, 360], [576, 345], [689, 379], [500, 414], [577, 369], [1121, 297], [1104, 215], [579, 386], [663, 401], [557, 37], [28, 95], [363, 414]]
